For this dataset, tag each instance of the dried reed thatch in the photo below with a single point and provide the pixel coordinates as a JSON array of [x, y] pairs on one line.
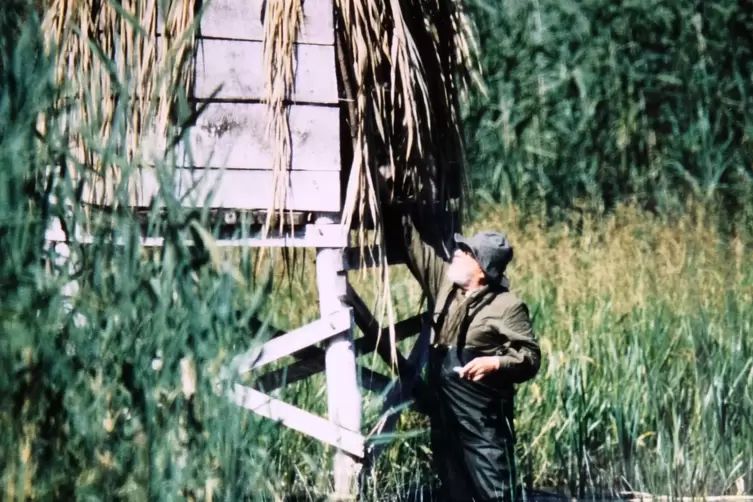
[[96, 43], [402, 67], [282, 22]]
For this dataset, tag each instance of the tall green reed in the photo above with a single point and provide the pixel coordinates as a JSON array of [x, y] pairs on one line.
[[606, 102], [112, 356]]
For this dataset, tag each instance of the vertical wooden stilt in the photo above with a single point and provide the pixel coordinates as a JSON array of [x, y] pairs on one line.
[[343, 392]]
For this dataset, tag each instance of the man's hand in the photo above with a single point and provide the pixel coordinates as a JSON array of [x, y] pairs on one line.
[[478, 368]]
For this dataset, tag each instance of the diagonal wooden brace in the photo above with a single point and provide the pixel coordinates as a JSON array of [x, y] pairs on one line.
[[299, 420], [313, 362], [295, 341]]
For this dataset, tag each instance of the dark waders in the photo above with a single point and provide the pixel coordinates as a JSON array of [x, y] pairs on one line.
[[472, 432]]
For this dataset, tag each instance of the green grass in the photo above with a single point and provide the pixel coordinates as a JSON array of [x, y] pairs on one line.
[[646, 381], [602, 101]]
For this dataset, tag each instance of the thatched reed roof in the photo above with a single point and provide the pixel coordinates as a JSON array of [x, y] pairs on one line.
[[402, 67]]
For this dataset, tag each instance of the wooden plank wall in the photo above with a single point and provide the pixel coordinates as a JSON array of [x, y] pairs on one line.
[[231, 154]]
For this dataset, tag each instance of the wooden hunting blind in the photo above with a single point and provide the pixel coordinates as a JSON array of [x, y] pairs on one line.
[[230, 162]]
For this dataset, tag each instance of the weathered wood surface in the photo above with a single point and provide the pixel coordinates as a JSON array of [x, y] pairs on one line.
[[242, 189], [234, 135], [233, 131], [300, 420], [244, 20], [309, 236], [237, 68], [228, 221], [251, 189]]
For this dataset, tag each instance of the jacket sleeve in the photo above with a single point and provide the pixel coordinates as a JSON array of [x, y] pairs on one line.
[[423, 261], [520, 355]]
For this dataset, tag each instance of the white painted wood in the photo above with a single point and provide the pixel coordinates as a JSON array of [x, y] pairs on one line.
[[308, 236], [336, 323], [234, 135], [300, 420], [242, 20], [343, 392], [238, 67], [246, 189], [393, 407], [242, 189]]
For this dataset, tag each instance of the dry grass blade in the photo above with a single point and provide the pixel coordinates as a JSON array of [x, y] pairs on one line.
[[282, 24], [109, 55], [282, 21], [403, 65]]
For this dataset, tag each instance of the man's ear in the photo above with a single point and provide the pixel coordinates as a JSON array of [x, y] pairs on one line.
[[482, 276]]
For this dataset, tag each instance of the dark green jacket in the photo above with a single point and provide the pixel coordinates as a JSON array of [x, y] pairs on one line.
[[500, 325]]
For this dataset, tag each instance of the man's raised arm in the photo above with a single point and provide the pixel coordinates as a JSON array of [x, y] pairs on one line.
[[417, 248]]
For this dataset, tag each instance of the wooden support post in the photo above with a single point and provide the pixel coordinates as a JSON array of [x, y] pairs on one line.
[[343, 393]]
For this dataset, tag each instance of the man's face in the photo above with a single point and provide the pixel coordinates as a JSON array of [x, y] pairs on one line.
[[464, 270]]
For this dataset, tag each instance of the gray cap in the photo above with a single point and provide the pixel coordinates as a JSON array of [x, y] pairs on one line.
[[491, 250]]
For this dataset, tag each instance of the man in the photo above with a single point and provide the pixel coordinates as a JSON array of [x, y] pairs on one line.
[[483, 344]]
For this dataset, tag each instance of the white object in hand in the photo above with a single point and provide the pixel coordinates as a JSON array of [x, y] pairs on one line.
[[457, 369]]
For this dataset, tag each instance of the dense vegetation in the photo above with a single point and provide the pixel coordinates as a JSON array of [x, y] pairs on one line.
[[599, 102], [644, 310]]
